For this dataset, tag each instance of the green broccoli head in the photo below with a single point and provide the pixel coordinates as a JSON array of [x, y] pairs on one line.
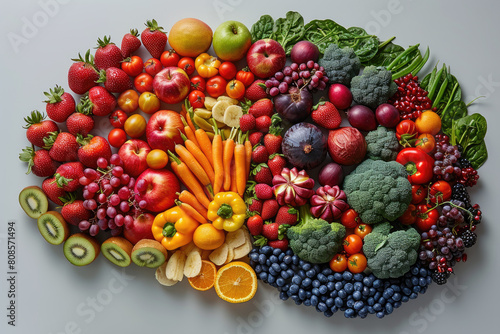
[[391, 254], [340, 64], [378, 190], [382, 144], [315, 240], [373, 87]]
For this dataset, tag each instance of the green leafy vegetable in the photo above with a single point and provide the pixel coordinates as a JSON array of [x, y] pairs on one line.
[[385, 55], [289, 30], [365, 46], [469, 130], [453, 112], [477, 154], [323, 33], [443, 88], [263, 28]]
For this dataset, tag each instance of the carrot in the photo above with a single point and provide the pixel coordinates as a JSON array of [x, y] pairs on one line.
[[191, 212], [227, 157], [200, 157], [188, 179], [240, 167], [189, 115], [248, 156], [188, 158], [217, 159], [234, 186], [189, 132], [205, 144], [186, 197]]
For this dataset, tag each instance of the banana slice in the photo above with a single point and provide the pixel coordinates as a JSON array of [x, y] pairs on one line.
[[219, 255], [244, 249], [203, 123], [209, 102], [228, 99], [230, 255], [190, 247], [203, 113], [175, 266], [161, 277], [193, 263], [235, 239], [232, 116], [219, 110]]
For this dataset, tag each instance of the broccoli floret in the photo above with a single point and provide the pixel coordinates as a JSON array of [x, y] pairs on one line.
[[373, 87], [391, 254], [382, 144], [341, 64], [378, 190], [315, 240]]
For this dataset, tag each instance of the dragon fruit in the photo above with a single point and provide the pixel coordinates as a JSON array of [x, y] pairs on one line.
[[293, 187], [328, 203]]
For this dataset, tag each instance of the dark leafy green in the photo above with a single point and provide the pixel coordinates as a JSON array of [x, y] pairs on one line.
[[469, 130], [453, 112], [263, 28], [385, 55], [443, 88], [289, 30], [477, 154], [323, 33], [365, 46]]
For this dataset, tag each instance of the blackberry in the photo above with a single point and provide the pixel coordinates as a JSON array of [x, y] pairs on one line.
[[440, 278], [464, 163], [469, 238], [476, 213], [459, 193]]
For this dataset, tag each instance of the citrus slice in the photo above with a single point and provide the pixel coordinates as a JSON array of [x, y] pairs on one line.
[[206, 278], [236, 282]]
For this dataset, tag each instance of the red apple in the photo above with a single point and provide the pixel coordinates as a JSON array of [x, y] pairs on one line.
[[171, 85], [159, 188], [266, 57], [133, 154], [140, 228], [162, 130]]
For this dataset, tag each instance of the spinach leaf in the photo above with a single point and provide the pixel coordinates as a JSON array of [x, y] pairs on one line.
[[385, 55], [452, 113], [263, 28], [323, 33], [469, 130], [452, 93], [289, 30], [477, 154], [365, 46]]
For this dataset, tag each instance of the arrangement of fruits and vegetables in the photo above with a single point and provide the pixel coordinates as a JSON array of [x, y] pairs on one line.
[[311, 157]]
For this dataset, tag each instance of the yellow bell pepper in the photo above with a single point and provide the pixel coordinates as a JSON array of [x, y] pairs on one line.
[[206, 65], [174, 228], [227, 211]]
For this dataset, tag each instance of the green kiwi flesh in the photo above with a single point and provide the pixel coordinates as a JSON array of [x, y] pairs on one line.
[[33, 201], [149, 253], [53, 227], [81, 249], [117, 250]]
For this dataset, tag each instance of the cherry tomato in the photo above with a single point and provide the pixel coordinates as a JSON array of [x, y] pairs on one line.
[[132, 66], [356, 263], [117, 137], [198, 83], [350, 218], [128, 101], [169, 58], [353, 244], [426, 142], [245, 76], [362, 230], [135, 126], [440, 192], [117, 118], [235, 89], [418, 193], [149, 103], [227, 70], [405, 131], [187, 64], [409, 216], [157, 159], [339, 263], [426, 217], [197, 99], [216, 86], [152, 66], [143, 83]]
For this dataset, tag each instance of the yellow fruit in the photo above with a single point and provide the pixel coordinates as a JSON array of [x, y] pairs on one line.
[[189, 37], [236, 282], [428, 122], [206, 236], [157, 159], [205, 280]]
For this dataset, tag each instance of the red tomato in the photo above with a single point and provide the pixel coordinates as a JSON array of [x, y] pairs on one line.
[[227, 70], [405, 131], [197, 99], [118, 118], [353, 244], [132, 66], [339, 263], [426, 217], [143, 83], [198, 83], [440, 192], [152, 66], [362, 230], [169, 58], [187, 64], [216, 86], [128, 101], [426, 142], [235, 89], [418, 193], [350, 218], [409, 216], [356, 263], [117, 137], [245, 76]]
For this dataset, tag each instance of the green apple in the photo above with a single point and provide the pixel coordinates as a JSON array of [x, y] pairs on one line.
[[231, 40]]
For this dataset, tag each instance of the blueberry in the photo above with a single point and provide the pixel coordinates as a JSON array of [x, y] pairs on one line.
[[298, 302], [414, 270], [326, 271], [397, 304], [377, 283], [290, 272], [414, 280], [323, 289], [287, 259], [406, 291], [276, 267], [308, 294], [316, 283], [311, 273], [265, 268], [296, 279], [342, 294], [285, 274], [306, 282], [263, 276], [280, 282], [337, 276], [404, 299], [315, 291], [388, 293], [306, 266], [258, 269], [423, 272], [358, 277], [413, 295], [396, 288], [388, 308], [356, 295], [272, 272], [328, 313], [307, 302], [283, 266], [294, 297], [349, 313], [289, 252], [273, 258], [358, 286], [358, 305], [281, 257], [254, 257], [268, 250], [350, 303], [302, 294], [396, 296], [373, 291], [380, 315], [322, 307], [347, 275], [262, 259], [348, 287], [268, 263], [370, 310], [295, 259], [314, 300], [377, 307], [271, 279], [302, 273], [382, 300], [377, 295], [294, 288], [277, 251], [285, 287], [417, 288], [283, 295], [370, 301], [422, 281], [367, 281], [330, 302], [339, 302], [429, 280], [331, 278], [322, 278], [338, 286], [366, 291], [424, 289]]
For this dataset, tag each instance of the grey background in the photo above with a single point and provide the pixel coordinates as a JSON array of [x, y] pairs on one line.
[[56, 297]]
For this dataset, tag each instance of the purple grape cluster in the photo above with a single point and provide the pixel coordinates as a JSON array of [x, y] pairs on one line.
[[306, 75], [445, 157]]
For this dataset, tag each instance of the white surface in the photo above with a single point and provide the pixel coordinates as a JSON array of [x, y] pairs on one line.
[[55, 297]]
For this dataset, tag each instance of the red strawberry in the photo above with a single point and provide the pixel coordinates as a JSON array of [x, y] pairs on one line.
[[272, 140], [82, 75], [62, 146], [270, 208], [263, 191], [80, 123], [326, 115], [276, 163], [39, 162], [38, 128], [254, 205], [115, 80], [68, 176], [53, 192], [73, 212], [260, 154], [98, 101], [263, 123], [255, 137], [256, 91], [107, 54], [281, 244], [262, 174], [263, 107], [130, 43], [154, 39], [91, 149], [247, 123], [270, 231], [59, 104], [255, 224], [286, 215]]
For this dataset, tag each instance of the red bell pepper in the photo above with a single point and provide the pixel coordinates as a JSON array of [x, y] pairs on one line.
[[418, 164], [426, 217]]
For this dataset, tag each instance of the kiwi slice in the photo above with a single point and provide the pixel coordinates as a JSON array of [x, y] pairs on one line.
[[149, 253], [53, 227], [117, 250], [81, 249], [33, 201]]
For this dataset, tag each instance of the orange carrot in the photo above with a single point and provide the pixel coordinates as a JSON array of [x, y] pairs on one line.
[[227, 157], [217, 151], [200, 157], [205, 144], [186, 197], [189, 115], [191, 212], [189, 132], [240, 167], [188, 158], [248, 156], [234, 185]]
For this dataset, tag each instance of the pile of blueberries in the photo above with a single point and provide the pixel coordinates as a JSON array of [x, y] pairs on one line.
[[317, 285]]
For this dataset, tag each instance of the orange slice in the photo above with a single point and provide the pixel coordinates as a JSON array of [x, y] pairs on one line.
[[236, 282], [206, 278]]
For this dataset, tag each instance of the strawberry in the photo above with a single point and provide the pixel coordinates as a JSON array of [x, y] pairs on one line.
[[263, 107], [270, 231], [82, 75], [62, 146], [255, 138], [255, 225], [273, 139], [59, 104], [73, 212], [262, 174], [270, 208], [247, 123], [276, 163], [262, 123], [39, 162], [260, 154], [68, 176], [281, 244], [38, 128], [98, 101], [80, 123], [263, 191], [53, 192], [107, 54], [326, 115], [154, 39], [130, 43], [256, 91], [254, 205], [91, 149], [115, 80], [286, 215]]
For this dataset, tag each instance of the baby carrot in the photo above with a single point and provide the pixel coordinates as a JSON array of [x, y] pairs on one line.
[[248, 156], [188, 158], [240, 167], [205, 144], [217, 160], [227, 157], [191, 212], [234, 186], [189, 132], [201, 158], [186, 197]]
